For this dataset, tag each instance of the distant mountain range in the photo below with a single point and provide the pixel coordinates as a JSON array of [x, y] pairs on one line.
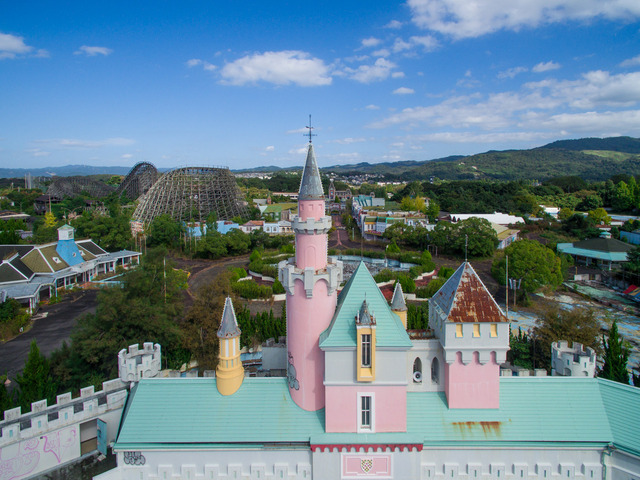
[[589, 158]]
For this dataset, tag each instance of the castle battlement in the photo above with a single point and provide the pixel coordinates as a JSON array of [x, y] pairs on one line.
[[67, 411], [574, 361], [288, 273], [137, 363]]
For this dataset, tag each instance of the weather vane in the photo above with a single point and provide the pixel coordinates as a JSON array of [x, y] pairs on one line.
[[310, 134]]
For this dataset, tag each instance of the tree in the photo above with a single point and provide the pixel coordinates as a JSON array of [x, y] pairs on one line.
[[202, 321], [531, 262], [165, 231], [555, 324], [35, 383], [616, 357], [599, 215], [433, 210], [519, 353], [565, 213], [6, 400], [623, 198], [10, 234], [475, 235]]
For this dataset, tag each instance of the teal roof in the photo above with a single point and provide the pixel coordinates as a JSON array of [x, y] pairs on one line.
[[191, 411], [622, 405], [534, 411], [342, 330], [611, 256]]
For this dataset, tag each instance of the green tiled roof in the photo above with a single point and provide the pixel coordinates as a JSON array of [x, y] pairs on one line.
[[622, 404], [534, 411], [342, 331], [36, 262], [191, 411]]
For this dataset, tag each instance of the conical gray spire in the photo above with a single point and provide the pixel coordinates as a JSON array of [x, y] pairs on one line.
[[228, 325], [397, 301], [364, 316], [311, 185]]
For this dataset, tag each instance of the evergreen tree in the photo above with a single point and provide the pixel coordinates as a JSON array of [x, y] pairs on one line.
[[6, 400], [35, 383], [616, 356]]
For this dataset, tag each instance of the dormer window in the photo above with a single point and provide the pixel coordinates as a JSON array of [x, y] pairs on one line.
[[56, 259], [366, 350]]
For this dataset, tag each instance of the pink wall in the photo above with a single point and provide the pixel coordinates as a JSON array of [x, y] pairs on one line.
[[472, 385], [389, 409], [311, 208], [307, 318], [311, 251]]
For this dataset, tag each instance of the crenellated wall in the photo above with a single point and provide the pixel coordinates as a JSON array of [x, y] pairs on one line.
[[51, 435], [139, 363]]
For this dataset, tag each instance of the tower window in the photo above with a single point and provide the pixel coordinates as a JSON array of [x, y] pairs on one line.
[[476, 329], [494, 330], [459, 331], [366, 350], [365, 412], [435, 371]]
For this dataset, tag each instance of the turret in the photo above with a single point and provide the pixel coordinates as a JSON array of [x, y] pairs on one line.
[[398, 305], [311, 284], [474, 334], [229, 373]]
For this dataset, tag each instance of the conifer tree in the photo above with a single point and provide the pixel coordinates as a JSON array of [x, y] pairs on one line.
[[35, 383], [616, 356]]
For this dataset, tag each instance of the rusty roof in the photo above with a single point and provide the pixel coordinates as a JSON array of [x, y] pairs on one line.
[[464, 298]]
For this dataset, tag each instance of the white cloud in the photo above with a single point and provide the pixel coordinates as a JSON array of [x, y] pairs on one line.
[[597, 103], [36, 152], [93, 51], [380, 70], [196, 62], [372, 107], [371, 42], [298, 151], [404, 91], [383, 52], [42, 53], [298, 130], [75, 143], [12, 46], [512, 72], [348, 140], [280, 68], [126, 156], [545, 67], [270, 148], [427, 42], [631, 62], [397, 75], [473, 18], [394, 24]]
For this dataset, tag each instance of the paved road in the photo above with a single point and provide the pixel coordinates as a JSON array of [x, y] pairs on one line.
[[49, 332]]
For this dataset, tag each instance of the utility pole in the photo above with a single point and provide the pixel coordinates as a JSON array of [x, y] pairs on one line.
[[506, 286]]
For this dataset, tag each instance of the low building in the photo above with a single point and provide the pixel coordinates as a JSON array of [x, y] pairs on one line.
[[252, 225], [339, 195], [497, 218], [29, 271], [605, 253], [574, 361], [632, 237], [506, 236]]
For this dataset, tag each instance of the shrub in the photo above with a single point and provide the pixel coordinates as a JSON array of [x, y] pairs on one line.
[[445, 272], [277, 287], [251, 290], [432, 287], [407, 283], [416, 271], [384, 276]]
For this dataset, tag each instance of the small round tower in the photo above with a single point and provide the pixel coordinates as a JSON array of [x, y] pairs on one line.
[[229, 372], [137, 363]]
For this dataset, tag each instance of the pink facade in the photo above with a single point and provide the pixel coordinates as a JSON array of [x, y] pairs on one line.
[[389, 412], [473, 385], [311, 250], [308, 318]]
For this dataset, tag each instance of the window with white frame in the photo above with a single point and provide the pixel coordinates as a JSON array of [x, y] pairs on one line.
[[366, 404], [366, 350]]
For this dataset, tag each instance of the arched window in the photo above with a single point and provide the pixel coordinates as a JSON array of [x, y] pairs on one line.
[[417, 370], [435, 371]]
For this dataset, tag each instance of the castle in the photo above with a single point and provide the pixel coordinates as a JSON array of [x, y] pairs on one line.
[[363, 398]]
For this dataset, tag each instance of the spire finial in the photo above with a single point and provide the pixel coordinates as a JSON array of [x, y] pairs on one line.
[[310, 134], [466, 244]]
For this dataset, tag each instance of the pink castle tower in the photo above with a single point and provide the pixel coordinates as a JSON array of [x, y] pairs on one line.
[[310, 282]]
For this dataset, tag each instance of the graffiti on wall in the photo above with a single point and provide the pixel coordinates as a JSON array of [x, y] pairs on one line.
[[38, 454]]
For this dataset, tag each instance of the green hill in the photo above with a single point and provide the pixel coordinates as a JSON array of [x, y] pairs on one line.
[[589, 158]]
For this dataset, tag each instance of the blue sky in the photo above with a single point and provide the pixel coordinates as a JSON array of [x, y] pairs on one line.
[[232, 83]]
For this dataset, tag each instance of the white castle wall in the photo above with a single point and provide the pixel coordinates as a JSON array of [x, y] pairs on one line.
[[139, 363], [49, 436], [575, 361]]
